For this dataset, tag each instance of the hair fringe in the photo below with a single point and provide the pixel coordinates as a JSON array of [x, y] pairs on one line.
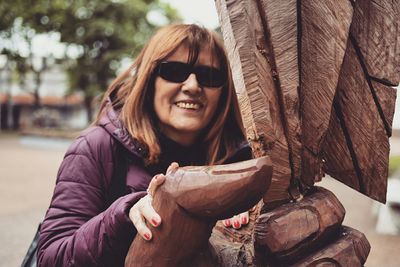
[[133, 87]]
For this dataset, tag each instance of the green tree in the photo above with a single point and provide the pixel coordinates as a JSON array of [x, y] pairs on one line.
[[98, 34], [14, 31]]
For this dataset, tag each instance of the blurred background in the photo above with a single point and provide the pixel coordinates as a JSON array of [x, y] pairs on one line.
[[56, 59]]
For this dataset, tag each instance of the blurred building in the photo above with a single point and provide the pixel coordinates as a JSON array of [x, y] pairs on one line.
[[57, 108]]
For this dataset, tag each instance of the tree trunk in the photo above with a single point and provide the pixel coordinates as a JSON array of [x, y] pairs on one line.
[[88, 106]]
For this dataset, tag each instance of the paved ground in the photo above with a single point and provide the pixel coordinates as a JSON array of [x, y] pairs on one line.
[[27, 176], [27, 173]]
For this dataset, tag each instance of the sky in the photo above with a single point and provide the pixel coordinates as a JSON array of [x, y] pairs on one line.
[[202, 12]]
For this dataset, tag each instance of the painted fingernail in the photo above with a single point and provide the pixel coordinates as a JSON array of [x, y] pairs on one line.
[[146, 236], [236, 224], [154, 221], [228, 222], [244, 220]]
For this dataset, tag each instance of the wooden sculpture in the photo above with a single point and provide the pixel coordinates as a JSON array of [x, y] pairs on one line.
[[319, 216], [314, 81], [190, 202], [315, 84]]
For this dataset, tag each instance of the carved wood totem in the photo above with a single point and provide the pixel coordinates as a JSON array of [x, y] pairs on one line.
[[315, 84]]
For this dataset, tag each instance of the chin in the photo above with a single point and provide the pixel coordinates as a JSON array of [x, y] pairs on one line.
[[189, 129], [190, 125]]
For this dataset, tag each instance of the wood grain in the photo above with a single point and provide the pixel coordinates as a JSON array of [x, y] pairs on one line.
[[337, 158], [376, 29], [363, 129], [254, 81], [314, 80], [350, 249], [386, 98], [231, 247], [190, 202], [279, 19], [324, 31], [266, 38], [281, 234]]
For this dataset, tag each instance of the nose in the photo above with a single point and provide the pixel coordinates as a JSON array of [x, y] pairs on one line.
[[191, 85]]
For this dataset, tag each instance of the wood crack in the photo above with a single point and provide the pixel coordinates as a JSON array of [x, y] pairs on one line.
[[299, 46], [312, 152], [383, 81], [361, 60], [349, 143], [275, 75], [352, 2]]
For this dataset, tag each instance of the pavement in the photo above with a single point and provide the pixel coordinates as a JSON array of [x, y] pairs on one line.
[[27, 177], [28, 167]]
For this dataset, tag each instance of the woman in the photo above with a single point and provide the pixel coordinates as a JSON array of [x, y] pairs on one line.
[[175, 105]]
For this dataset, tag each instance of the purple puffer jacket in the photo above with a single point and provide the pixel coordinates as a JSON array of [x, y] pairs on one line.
[[80, 229]]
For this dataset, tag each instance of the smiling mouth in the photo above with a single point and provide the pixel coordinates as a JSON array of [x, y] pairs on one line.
[[186, 105]]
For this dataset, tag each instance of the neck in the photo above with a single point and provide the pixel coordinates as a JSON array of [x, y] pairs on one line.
[[184, 139]]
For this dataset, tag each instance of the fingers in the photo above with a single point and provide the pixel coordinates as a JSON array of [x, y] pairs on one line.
[[142, 211], [154, 183], [253, 208], [227, 222], [172, 168], [244, 218], [237, 221], [151, 215], [236, 224], [135, 214], [160, 179]]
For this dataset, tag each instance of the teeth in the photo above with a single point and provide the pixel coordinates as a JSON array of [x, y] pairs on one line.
[[194, 106]]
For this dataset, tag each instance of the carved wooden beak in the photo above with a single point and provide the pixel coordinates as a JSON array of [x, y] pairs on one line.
[[190, 202], [219, 191]]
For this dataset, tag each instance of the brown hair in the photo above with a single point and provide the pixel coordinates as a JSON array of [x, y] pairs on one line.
[[135, 91]]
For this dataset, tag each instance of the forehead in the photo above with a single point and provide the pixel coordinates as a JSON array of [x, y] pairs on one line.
[[206, 56]]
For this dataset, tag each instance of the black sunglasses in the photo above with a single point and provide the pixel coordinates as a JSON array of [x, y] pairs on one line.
[[178, 72]]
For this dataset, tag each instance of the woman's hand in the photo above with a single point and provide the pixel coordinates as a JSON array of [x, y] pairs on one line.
[[239, 220], [143, 210]]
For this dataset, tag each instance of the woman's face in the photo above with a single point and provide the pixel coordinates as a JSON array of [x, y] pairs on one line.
[[185, 108]]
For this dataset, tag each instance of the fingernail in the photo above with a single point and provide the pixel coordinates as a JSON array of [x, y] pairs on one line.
[[147, 236], [228, 222], [236, 224], [154, 221], [244, 220]]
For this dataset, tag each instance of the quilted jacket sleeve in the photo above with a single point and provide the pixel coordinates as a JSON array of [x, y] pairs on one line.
[[79, 230]]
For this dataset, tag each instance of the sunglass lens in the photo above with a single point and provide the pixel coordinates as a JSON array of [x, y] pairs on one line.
[[174, 71], [178, 72], [210, 77]]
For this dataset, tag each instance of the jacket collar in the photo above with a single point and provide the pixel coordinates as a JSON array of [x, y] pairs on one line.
[[110, 121]]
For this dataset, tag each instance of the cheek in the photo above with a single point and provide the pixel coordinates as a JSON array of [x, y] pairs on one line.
[[158, 105], [214, 97]]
